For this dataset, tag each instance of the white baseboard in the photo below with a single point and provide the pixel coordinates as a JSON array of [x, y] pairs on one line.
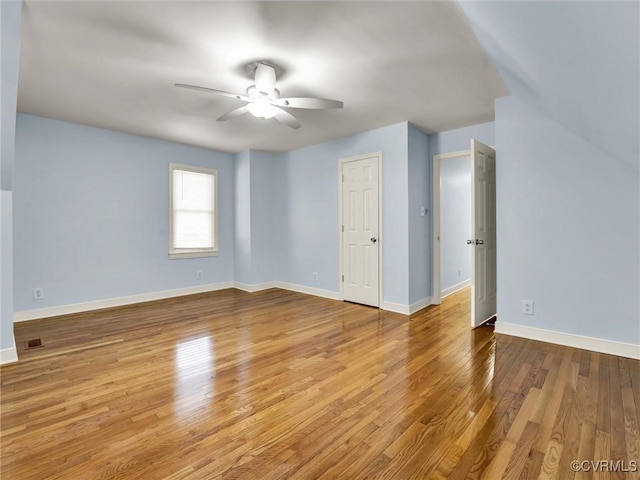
[[600, 345], [419, 305], [26, 315], [254, 287], [396, 308], [454, 288], [406, 309], [9, 355], [318, 292]]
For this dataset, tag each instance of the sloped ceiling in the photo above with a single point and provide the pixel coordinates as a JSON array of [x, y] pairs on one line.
[[577, 62], [113, 64]]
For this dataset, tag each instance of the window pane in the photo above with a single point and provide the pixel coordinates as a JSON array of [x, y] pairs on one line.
[[193, 209], [192, 191], [192, 229]]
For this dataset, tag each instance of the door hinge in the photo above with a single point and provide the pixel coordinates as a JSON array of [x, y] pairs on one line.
[[343, 228], [342, 178], [342, 278]]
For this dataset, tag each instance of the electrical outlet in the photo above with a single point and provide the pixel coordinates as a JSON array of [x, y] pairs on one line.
[[38, 293], [527, 307], [315, 276], [199, 274]]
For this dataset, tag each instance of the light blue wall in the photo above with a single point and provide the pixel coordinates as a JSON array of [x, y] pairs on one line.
[[308, 179], [256, 232], [91, 214], [6, 270], [242, 217], [10, 16], [455, 221], [265, 240], [278, 213], [420, 235], [568, 229]]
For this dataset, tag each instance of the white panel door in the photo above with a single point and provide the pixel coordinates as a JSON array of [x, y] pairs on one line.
[[360, 243], [483, 170]]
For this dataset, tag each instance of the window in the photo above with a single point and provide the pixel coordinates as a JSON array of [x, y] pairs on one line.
[[193, 211]]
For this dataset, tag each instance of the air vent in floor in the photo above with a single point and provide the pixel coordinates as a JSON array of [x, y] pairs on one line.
[[35, 343]]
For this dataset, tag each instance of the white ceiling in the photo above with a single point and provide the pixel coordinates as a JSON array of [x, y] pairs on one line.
[[113, 65]]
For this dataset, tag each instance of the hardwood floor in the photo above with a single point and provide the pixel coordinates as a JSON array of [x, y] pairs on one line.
[[277, 384]]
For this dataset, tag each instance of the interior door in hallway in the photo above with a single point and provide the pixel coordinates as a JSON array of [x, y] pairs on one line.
[[483, 171], [360, 229]]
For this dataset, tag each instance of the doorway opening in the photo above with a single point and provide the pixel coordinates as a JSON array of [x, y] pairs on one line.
[[464, 228]]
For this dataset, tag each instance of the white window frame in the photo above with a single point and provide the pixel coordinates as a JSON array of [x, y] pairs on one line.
[[176, 253]]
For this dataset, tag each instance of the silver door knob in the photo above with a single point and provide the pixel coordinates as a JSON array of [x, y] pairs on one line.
[[479, 242], [470, 242], [374, 239]]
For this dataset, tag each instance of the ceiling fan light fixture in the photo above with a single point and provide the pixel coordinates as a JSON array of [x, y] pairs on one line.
[[263, 99], [262, 108]]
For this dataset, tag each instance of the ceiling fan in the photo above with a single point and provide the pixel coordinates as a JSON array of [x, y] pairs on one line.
[[263, 99]]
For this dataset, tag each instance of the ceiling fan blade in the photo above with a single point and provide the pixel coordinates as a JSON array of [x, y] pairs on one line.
[[265, 78], [244, 98], [234, 113], [307, 102], [288, 119]]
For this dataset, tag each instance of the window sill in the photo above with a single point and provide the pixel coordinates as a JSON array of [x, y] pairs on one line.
[[207, 253]]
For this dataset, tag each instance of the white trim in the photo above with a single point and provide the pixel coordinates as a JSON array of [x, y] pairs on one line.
[[396, 307], [455, 288], [407, 309], [435, 215], [452, 155], [341, 163], [9, 355], [318, 292], [191, 254], [610, 347], [255, 287], [420, 304], [26, 315]]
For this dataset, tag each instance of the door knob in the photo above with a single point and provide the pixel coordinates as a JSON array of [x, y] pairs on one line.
[[475, 242], [469, 242], [479, 242], [374, 239]]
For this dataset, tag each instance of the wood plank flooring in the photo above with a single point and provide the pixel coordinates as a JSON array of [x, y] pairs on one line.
[[276, 385]]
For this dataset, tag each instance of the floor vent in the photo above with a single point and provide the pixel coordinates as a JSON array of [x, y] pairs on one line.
[[35, 343]]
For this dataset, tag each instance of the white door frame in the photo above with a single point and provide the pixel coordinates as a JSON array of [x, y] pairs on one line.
[[341, 163], [436, 299]]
